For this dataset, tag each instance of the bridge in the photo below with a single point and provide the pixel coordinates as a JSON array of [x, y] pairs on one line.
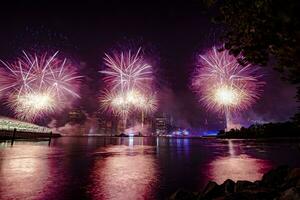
[[16, 129]]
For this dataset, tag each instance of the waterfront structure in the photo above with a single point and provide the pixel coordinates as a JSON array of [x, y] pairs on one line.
[[9, 124], [163, 123], [76, 115]]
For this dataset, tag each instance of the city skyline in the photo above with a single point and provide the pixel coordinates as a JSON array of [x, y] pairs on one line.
[[173, 44]]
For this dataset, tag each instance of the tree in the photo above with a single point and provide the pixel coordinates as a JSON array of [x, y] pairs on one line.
[[264, 31]]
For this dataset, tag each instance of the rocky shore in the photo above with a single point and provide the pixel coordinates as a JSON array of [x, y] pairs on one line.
[[282, 183]]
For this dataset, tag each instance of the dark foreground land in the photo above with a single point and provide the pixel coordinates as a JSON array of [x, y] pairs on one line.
[[269, 130], [282, 183]]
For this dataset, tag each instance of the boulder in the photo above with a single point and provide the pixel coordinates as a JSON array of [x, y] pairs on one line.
[[292, 179], [251, 195], [182, 194], [291, 194], [211, 190], [257, 183], [294, 175], [275, 178], [228, 186], [215, 191], [210, 187], [282, 183], [241, 186], [298, 183]]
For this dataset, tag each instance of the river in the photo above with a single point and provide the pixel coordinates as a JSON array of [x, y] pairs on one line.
[[133, 168]]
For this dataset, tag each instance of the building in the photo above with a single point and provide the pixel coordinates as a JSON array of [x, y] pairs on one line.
[[108, 125], [163, 123], [76, 115]]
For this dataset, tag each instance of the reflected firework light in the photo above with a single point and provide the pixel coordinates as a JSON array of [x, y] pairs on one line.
[[36, 85], [225, 86]]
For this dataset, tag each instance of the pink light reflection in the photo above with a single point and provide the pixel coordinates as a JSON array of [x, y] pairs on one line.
[[237, 167], [127, 174], [23, 173]]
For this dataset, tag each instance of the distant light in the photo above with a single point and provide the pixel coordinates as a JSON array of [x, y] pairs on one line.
[[210, 133], [186, 132], [131, 134]]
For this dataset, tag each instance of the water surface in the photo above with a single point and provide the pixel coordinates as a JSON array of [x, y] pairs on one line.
[[133, 168]]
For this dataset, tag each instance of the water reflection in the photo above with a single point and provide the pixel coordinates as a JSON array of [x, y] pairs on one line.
[[237, 166], [25, 173], [125, 172], [132, 168]]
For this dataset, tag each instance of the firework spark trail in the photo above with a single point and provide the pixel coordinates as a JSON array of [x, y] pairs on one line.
[[126, 71], [147, 103], [32, 105], [129, 79], [34, 86], [114, 102], [224, 85]]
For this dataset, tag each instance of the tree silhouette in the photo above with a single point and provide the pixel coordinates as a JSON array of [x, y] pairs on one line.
[[264, 31]]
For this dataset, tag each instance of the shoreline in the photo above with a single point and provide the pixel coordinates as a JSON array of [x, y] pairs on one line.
[[196, 137], [8, 135], [282, 183], [26, 135]]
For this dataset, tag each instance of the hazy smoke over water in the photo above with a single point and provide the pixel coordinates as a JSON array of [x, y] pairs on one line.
[[88, 126]]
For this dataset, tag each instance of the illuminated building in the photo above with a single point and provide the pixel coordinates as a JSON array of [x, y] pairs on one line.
[[108, 125], [76, 115], [162, 124]]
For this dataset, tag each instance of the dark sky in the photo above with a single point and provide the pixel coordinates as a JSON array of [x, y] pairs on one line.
[[172, 32]]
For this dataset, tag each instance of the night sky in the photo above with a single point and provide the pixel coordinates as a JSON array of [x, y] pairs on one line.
[[172, 33]]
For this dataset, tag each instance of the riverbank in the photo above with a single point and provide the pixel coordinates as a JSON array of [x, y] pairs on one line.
[[270, 130], [282, 183]]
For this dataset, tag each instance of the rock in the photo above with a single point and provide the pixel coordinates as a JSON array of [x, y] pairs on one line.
[[211, 190], [244, 186], [298, 183], [210, 187], [294, 176], [239, 196], [257, 183], [292, 179], [228, 186], [251, 196], [282, 183], [275, 178], [182, 194], [291, 194]]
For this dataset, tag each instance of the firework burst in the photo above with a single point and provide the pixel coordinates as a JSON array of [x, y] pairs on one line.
[[127, 71], [34, 86], [129, 79], [224, 85], [124, 103], [115, 102], [147, 103]]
